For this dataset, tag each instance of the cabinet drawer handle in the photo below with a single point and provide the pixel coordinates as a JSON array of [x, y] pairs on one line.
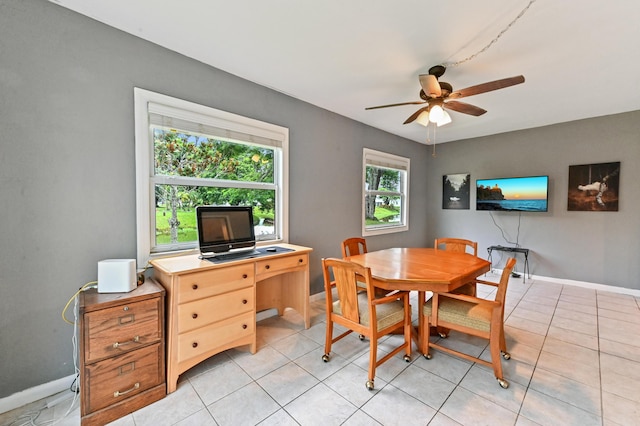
[[267, 267], [244, 276], [300, 260], [194, 345], [194, 286], [244, 326], [194, 315], [119, 393], [134, 340], [244, 301]]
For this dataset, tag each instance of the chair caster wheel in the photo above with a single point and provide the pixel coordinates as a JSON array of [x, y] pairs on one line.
[[369, 384], [361, 336], [407, 358], [503, 383], [325, 357], [506, 355], [427, 356]]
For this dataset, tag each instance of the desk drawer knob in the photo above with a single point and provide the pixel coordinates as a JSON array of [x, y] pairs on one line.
[[245, 276], [194, 286], [267, 266], [244, 326], [300, 260], [194, 315], [194, 345], [244, 301]]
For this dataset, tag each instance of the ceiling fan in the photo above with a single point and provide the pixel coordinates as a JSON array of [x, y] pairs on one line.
[[439, 94]]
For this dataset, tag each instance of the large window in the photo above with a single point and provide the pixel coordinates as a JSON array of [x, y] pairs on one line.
[[385, 207], [189, 155]]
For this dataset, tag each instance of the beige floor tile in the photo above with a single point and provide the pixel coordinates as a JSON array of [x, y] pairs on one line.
[[566, 390], [620, 410], [320, 404], [391, 406], [287, 382], [246, 406], [467, 408], [622, 350], [546, 410]]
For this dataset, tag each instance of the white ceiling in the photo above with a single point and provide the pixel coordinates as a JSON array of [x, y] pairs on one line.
[[580, 58]]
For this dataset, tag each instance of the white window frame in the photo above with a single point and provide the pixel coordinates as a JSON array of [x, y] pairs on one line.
[[381, 159], [144, 151]]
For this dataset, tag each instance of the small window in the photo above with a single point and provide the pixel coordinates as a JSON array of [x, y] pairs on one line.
[[385, 205], [188, 155]]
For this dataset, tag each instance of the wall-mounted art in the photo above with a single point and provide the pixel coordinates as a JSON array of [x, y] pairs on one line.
[[594, 187], [455, 191]]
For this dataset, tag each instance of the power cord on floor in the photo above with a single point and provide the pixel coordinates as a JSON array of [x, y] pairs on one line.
[[29, 418]]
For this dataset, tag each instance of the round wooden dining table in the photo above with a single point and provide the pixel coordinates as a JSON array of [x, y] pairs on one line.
[[422, 270]]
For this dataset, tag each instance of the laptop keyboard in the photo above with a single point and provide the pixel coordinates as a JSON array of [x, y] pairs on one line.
[[234, 256]]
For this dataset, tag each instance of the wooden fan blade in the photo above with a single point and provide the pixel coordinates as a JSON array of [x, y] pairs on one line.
[[415, 115], [487, 87], [394, 105], [464, 108], [430, 85]]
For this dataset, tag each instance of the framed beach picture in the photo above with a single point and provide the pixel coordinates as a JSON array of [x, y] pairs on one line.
[[455, 191], [594, 187]]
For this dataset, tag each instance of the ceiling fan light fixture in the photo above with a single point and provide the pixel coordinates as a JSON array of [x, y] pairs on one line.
[[446, 119], [436, 114], [423, 118]]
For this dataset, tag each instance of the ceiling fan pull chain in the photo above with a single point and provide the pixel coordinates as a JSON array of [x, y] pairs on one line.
[[433, 154], [468, 58]]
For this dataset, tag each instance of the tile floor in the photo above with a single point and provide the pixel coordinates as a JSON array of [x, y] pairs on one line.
[[575, 360]]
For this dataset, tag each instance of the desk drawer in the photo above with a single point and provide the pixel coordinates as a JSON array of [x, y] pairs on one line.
[[115, 379], [269, 266], [116, 330], [205, 339], [201, 312], [199, 285]]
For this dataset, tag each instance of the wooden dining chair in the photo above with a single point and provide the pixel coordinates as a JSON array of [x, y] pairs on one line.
[[351, 247], [354, 245], [362, 312], [471, 315], [462, 246]]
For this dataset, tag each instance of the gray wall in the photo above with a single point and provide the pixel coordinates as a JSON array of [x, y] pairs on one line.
[[68, 173], [67, 176], [596, 247]]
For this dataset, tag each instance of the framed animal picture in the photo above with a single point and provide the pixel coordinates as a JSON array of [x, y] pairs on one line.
[[594, 187]]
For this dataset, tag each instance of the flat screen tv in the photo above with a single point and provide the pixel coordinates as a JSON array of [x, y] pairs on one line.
[[515, 194], [224, 229]]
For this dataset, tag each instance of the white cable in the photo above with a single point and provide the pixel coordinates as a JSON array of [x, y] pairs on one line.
[[468, 58]]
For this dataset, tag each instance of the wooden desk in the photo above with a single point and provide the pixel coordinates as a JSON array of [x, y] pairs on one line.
[[211, 307], [422, 270]]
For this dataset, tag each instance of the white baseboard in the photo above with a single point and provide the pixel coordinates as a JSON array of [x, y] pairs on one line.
[[35, 393], [593, 286]]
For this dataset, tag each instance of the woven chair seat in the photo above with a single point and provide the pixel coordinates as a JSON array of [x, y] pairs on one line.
[[387, 314], [463, 313]]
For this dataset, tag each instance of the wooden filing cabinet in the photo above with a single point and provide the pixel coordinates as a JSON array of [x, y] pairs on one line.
[[122, 352]]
